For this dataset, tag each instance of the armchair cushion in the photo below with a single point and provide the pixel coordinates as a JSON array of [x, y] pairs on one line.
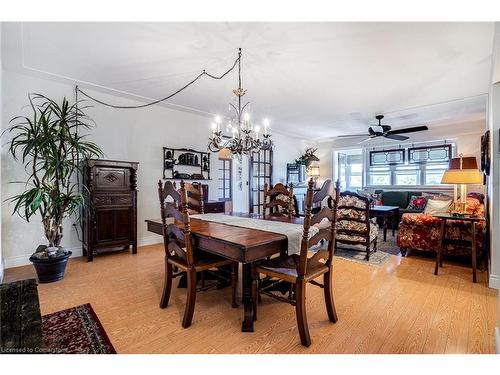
[[360, 227], [420, 219]]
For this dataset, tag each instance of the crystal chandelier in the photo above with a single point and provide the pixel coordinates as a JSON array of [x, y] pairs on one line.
[[244, 137]]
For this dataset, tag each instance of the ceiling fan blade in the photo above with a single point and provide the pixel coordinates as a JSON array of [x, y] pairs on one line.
[[408, 130], [365, 140], [397, 137], [352, 135]]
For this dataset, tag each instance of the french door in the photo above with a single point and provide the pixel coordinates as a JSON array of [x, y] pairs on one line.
[[261, 172]]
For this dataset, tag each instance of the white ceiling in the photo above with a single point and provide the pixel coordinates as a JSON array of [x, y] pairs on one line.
[[313, 80]]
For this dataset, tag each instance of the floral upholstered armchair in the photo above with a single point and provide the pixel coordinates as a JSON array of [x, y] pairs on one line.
[[354, 226], [421, 231]]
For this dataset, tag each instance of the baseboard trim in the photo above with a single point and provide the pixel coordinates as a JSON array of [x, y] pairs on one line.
[[23, 260], [149, 240], [494, 281]]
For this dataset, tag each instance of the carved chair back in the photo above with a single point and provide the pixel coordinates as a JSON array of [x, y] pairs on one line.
[[353, 218], [325, 219], [279, 200], [195, 197], [326, 192], [176, 234]]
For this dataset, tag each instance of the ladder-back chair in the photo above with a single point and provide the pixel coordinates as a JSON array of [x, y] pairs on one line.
[[300, 269], [179, 250], [278, 199]]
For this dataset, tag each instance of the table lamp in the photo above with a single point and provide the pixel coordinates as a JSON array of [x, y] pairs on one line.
[[314, 173], [462, 171]]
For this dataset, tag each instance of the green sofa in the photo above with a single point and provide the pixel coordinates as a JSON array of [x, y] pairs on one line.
[[401, 199]]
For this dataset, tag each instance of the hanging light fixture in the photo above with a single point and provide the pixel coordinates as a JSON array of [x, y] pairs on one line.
[[242, 135]]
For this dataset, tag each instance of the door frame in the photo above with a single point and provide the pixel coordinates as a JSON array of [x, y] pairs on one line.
[[251, 177]]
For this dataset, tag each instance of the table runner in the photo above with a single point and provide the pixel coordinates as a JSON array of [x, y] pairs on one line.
[[292, 231]]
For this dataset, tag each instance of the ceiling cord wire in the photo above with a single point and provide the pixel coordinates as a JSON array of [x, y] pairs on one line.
[[203, 73]]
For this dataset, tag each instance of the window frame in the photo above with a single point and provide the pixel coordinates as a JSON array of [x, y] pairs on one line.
[[420, 167]]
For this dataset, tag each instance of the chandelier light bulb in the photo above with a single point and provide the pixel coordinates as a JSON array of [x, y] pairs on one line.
[[217, 119], [246, 117], [214, 126], [257, 128]]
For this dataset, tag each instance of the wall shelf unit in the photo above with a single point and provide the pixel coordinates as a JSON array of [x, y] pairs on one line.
[[185, 164]]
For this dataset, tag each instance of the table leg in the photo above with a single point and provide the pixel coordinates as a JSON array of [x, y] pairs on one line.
[[474, 256], [440, 249], [248, 317], [395, 215], [385, 228]]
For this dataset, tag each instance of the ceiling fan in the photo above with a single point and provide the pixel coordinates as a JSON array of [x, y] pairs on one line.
[[379, 130]]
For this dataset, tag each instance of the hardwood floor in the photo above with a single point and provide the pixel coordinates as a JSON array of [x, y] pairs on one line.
[[398, 308]]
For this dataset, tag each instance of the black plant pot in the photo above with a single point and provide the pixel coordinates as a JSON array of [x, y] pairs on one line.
[[50, 269]]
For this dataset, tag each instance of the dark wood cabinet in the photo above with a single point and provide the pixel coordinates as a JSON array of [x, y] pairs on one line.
[[110, 216], [211, 207]]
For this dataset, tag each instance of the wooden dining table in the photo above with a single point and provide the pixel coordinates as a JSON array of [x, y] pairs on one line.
[[243, 245]]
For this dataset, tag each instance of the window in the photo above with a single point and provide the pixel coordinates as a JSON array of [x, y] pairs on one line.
[[350, 169], [225, 171], [406, 175], [425, 165], [379, 176], [434, 173]]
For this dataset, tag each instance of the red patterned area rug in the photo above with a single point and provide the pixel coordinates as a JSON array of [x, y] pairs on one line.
[[76, 330]]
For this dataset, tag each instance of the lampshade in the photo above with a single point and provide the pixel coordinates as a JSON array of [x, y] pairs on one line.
[[462, 176], [225, 154], [468, 162], [314, 171]]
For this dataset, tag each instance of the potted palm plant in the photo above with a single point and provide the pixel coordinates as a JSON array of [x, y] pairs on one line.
[[51, 147]]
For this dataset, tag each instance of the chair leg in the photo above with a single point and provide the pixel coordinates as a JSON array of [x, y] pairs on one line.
[[255, 292], [367, 258], [300, 311], [234, 284], [330, 305], [167, 286], [191, 298]]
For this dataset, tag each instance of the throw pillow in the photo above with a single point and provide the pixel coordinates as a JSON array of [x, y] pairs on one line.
[[471, 206], [435, 207], [437, 196], [417, 203]]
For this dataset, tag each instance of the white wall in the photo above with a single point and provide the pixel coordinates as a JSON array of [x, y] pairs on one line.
[[133, 135], [494, 180]]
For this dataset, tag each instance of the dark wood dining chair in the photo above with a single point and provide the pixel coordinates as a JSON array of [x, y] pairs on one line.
[[179, 249], [354, 226], [300, 269], [195, 197], [278, 200]]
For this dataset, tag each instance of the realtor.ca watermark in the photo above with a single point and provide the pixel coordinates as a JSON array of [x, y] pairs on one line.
[[36, 350]]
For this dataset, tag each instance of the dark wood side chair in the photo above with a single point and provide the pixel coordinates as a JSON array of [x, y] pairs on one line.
[[195, 198], [354, 226], [179, 250], [299, 269], [326, 191], [278, 199]]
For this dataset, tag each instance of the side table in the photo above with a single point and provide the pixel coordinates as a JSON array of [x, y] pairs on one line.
[[439, 257]]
